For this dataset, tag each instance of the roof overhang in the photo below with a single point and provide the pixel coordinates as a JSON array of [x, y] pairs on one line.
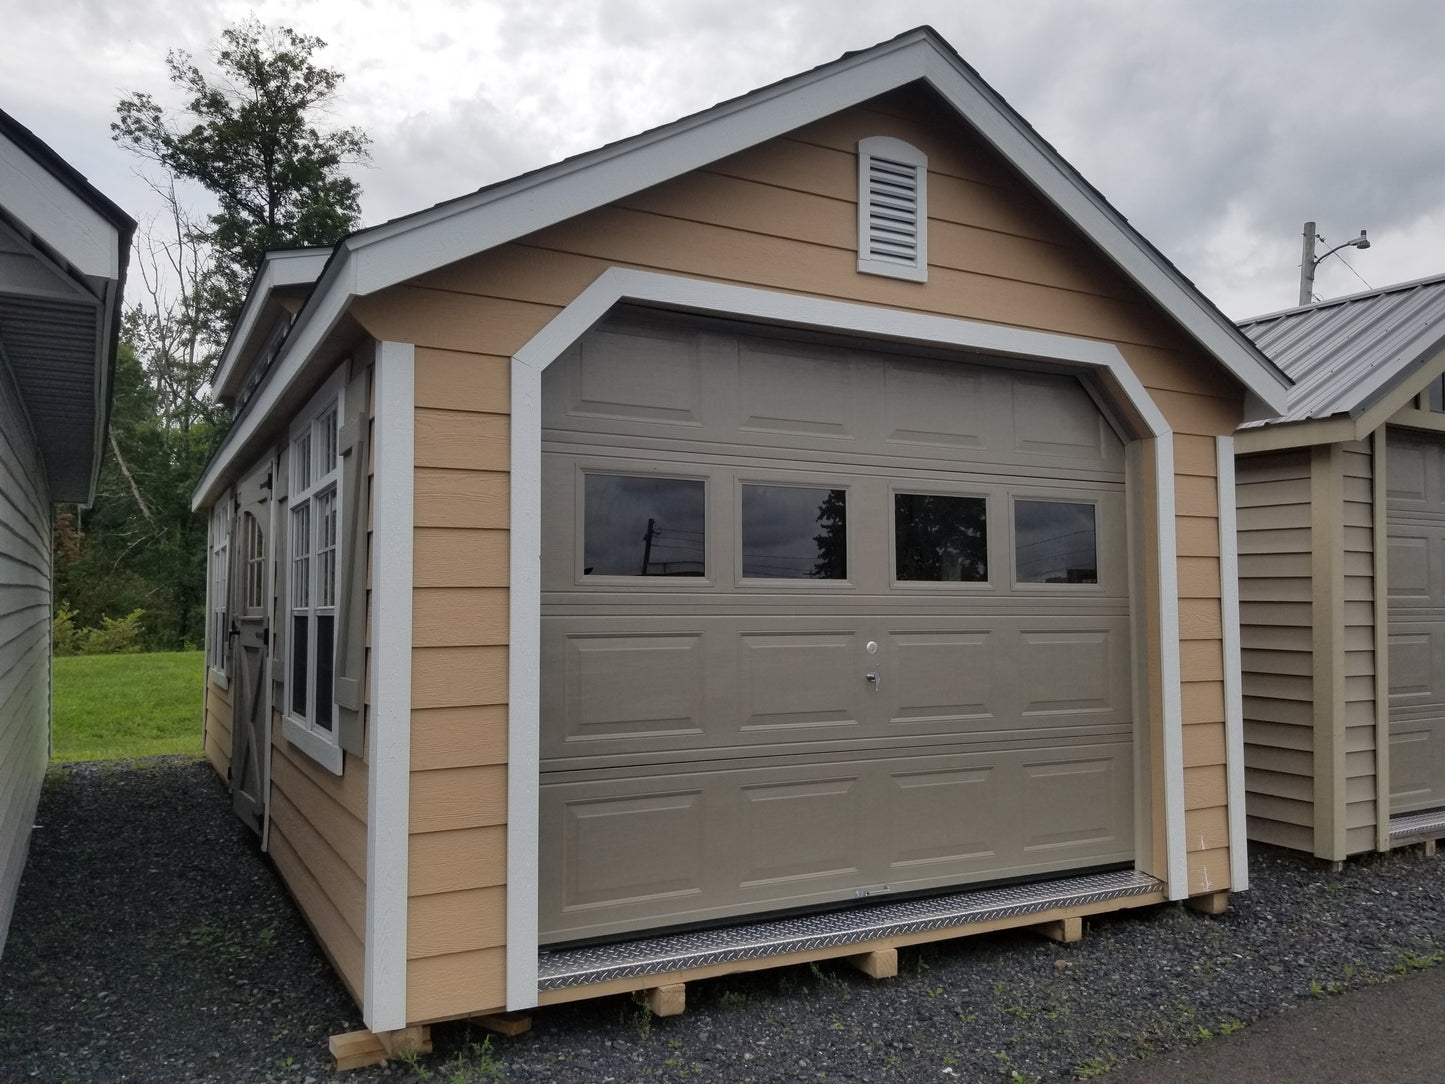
[[280, 286], [405, 248], [63, 253]]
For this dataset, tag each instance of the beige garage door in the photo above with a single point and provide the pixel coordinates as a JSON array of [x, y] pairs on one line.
[[1416, 527], [821, 622]]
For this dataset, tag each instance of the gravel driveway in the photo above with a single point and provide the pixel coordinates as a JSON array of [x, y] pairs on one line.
[[152, 942]]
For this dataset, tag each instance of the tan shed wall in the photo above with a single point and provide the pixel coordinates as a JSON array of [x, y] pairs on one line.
[[218, 728], [780, 216]]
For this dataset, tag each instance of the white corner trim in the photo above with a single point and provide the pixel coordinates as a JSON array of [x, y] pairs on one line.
[[389, 723], [1171, 692], [1233, 677], [524, 659]]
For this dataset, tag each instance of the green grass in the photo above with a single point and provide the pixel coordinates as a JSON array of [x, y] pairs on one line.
[[110, 706]]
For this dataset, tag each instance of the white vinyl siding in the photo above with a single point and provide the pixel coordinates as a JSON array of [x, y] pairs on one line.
[[892, 209], [25, 606], [220, 570], [314, 506]]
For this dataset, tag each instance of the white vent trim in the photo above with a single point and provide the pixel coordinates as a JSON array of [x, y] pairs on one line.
[[892, 209]]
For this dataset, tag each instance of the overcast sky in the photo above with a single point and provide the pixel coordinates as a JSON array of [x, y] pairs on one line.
[[1216, 126]]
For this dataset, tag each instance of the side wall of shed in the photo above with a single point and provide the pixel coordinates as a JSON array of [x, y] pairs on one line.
[[781, 216], [1306, 568], [25, 603]]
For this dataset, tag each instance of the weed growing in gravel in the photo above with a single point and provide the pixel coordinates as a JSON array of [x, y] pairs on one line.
[[1095, 1066]]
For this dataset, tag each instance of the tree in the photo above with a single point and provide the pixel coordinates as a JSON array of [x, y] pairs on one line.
[[250, 139]]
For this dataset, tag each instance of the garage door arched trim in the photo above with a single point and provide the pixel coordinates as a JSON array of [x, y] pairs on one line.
[[618, 285]]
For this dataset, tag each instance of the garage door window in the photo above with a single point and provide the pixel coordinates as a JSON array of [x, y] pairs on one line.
[[1055, 542], [940, 538], [794, 533], [643, 526]]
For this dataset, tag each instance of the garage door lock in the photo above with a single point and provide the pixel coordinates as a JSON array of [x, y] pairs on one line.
[[872, 678]]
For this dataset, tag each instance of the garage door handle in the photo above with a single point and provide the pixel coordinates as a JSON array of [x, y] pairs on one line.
[[872, 678]]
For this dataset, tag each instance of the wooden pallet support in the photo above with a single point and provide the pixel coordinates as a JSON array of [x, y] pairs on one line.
[[667, 1000], [404, 1041], [1429, 846], [357, 1049], [878, 964], [508, 1024], [1211, 903], [1064, 930]]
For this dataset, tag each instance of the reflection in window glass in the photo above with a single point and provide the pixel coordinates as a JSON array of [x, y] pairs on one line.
[[939, 538], [642, 526], [795, 533], [1054, 542]]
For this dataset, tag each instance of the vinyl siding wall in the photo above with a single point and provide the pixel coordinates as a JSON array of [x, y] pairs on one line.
[[780, 216], [25, 602], [1306, 542]]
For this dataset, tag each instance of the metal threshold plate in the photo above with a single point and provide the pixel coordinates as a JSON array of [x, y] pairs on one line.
[[1429, 823], [566, 968]]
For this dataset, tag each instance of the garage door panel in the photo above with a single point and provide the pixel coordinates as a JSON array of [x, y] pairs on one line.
[[932, 406], [633, 687], [941, 678], [1416, 530], [795, 392], [939, 818], [1057, 418], [799, 831], [1075, 804], [760, 838], [647, 374], [1066, 671], [772, 692]]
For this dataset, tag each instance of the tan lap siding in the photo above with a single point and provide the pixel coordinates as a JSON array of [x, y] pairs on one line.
[[781, 216], [456, 909], [1276, 642], [218, 728]]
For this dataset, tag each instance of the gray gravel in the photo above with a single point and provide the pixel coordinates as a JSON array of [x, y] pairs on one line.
[[152, 942]]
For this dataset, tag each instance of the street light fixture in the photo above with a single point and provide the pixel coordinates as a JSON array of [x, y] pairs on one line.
[[1310, 261]]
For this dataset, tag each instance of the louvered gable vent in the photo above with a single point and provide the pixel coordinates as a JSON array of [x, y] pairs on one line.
[[892, 209]]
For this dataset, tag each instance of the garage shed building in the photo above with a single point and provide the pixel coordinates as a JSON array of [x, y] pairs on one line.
[[1342, 577], [63, 253], [825, 499]]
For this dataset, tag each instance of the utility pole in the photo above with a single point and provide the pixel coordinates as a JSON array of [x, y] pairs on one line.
[[1309, 261]]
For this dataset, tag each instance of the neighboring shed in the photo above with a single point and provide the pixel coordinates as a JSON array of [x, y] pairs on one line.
[[822, 500], [63, 252], [1335, 766]]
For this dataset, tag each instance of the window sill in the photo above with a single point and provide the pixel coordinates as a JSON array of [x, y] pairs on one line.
[[320, 749], [218, 678]]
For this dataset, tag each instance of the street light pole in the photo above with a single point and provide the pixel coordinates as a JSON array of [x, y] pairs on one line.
[[1309, 261]]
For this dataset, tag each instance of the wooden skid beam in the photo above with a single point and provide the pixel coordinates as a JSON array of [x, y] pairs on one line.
[[1064, 930], [504, 1023], [357, 1049], [878, 964], [667, 1000], [1211, 903]]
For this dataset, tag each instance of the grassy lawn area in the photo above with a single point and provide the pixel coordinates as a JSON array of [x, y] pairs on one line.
[[108, 706]]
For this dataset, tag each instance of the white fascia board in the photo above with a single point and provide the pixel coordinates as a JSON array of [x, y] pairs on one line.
[[617, 285], [33, 197], [278, 269]]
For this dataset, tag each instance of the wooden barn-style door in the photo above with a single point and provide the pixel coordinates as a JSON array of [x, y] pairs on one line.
[[251, 628]]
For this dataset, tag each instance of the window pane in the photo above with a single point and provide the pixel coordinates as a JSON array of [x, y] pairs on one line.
[[325, 652], [301, 557], [326, 548], [794, 532], [300, 626], [1055, 542], [940, 538], [643, 526], [301, 464], [326, 450]]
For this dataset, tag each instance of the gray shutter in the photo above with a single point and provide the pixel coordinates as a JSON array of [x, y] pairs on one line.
[[349, 685], [280, 560]]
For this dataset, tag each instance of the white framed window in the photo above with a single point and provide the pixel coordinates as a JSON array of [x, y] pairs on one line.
[[218, 637], [313, 514], [892, 209]]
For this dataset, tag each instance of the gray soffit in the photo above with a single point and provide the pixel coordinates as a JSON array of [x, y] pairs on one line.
[[63, 254], [1346, 354]]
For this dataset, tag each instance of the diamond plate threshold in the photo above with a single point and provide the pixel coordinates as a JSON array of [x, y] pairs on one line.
[[1415, 826], [592, 964]]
